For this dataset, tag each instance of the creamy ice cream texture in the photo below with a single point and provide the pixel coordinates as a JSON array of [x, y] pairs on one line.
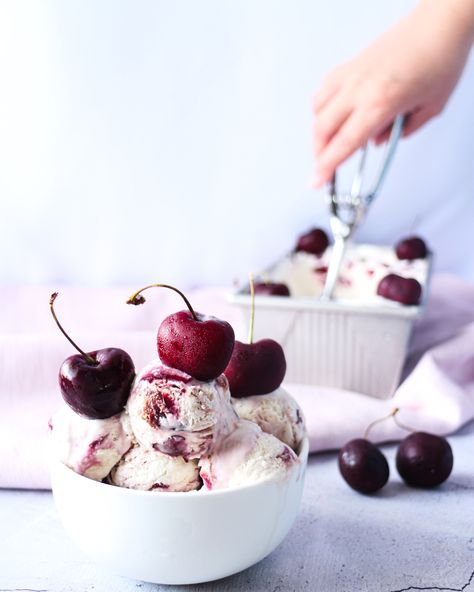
[[178, 415], [173, 420], [361, 271], [246, 456], [276, 413], [148, 469], [90, 447]]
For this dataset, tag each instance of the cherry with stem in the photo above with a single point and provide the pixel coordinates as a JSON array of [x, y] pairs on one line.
[[191, 342], [94, 384], [89, 359], [393, 414], [255, 368], [138, 298], [363, 465], [252, 309]]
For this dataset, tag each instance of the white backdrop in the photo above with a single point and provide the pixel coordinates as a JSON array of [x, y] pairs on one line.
[[159, 140]]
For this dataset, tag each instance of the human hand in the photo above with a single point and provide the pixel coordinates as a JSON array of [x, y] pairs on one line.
[[411, 70]]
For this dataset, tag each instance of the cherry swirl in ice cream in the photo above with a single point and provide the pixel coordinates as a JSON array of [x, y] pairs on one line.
[[177, 414]]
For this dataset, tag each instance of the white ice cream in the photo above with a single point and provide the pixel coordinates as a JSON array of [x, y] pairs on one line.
[[247, 456], [178, 415], [276, 413], [150, 470], [90, 447], [361, 271]]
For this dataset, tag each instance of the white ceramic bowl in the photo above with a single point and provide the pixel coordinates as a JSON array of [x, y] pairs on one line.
[[176, 538]]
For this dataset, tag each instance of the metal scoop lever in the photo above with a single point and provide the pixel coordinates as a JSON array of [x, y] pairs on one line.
[[347, 210]]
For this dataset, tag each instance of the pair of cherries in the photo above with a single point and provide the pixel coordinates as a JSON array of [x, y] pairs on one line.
[[97, 384], [205, 347], [422, 460], [395, 287]]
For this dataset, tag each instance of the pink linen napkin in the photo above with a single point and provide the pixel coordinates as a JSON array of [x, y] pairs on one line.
[[437, 396]]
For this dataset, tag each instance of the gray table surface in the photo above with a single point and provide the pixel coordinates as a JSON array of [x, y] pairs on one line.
[[401, 539]]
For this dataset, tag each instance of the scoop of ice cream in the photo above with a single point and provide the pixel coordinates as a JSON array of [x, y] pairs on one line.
[[150, 470], [90, 447], [177, 414], [247, 456], [276, 413]]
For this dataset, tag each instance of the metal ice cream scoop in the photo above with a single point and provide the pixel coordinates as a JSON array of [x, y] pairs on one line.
[[347, 210]]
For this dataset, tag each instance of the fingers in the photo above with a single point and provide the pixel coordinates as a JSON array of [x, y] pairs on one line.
[[354, 133], [413, 121], [329, 121], [382, 136], [327, 91], [418, 118]]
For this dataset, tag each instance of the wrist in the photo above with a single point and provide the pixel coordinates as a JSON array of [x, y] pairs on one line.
[[454, 17]]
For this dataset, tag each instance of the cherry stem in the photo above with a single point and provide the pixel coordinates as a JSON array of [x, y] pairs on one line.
[[137, 298], [392, 413], [89, 359], [252, 308], [402, 425], [415, 223]]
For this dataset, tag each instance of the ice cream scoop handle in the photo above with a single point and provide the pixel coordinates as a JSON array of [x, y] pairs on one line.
[[337, 256], [395, 134]]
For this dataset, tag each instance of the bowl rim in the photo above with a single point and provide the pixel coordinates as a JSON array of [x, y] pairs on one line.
[[303, 453]]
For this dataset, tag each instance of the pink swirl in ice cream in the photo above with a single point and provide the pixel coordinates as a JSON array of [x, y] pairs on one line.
[[177, 414], [246, 456], [90, 447], [276, 413]]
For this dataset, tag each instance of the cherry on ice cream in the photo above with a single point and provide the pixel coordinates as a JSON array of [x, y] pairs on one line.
[[315, 241], [411, 248], [271, 289], [401, 289], [96, 384], [255, 368], [194, 343]]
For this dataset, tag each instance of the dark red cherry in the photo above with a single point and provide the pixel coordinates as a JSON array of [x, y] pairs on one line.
[[424, 460], [200, 346], [411, 248], [95, 384], [256, 368], [271, 289], [401, 289], [315, 241], [97, 390], [363, 466], [189, 341]]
